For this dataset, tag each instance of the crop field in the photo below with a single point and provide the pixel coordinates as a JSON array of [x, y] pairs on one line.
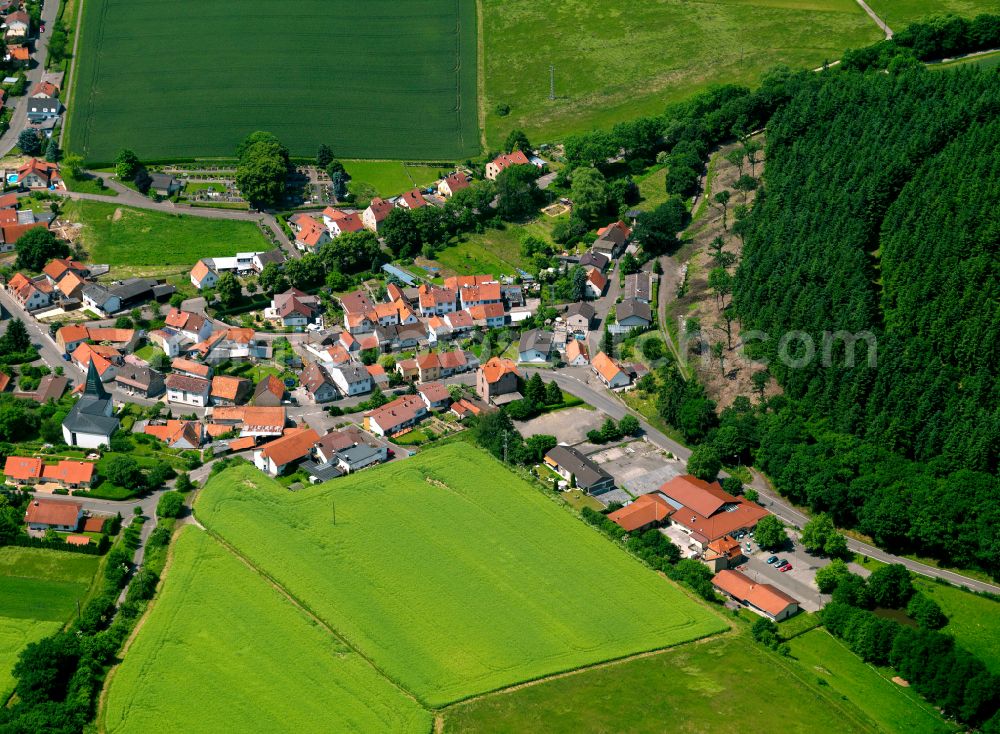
[[453, 575], [893, 708], [973, 620], [615, 61], [728, 684], [222, 650], [120, 235], [185, 78], [899, 13], [38, 593]]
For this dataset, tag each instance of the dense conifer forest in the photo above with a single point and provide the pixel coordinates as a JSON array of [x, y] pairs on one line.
[[880, 213]]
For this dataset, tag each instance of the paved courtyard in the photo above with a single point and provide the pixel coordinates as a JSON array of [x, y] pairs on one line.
[[569, 426], [639, 466]]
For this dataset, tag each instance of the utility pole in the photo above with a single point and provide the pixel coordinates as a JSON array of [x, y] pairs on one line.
[[552, 81], [334, 505]]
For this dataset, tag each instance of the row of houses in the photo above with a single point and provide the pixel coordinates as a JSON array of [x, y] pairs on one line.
[[68, 474]]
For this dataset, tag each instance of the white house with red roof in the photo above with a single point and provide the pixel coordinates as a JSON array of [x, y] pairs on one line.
[[504, 161], [376, 213], [453, 183], [412, 199]]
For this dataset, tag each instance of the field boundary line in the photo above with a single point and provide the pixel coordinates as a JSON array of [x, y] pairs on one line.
[[71, 76], [481, 74], [712, 637], [299, 604]]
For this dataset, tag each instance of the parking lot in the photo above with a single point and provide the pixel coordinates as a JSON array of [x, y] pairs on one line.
[[639, 466], [570, 426]]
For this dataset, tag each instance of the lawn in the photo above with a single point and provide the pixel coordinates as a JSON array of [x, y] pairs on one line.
[[373, 80], [495, 251], [615, 61], [38, 593], [729, 684], [387, 178], [222, 650], [452, 574], [124, 236], [973, 620], [898, 14], [890, 706]]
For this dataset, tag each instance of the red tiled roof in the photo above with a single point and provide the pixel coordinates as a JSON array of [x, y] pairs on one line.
[[763, 596], [497, 367], [412, 199], [295, 444], [23, 467], [647, 508], [605, 366], [70, 472], [195, 368], [50, 512]]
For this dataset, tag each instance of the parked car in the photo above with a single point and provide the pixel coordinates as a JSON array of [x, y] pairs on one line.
[[780, 562], [786, 567], [772, 559]]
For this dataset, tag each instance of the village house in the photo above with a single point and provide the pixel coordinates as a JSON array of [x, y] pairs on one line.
[[435, 301], [232, 345], [310, 235], [407, 368], [379, 377], [70, 474], [596, 283], [187, 390], [503, 161], [490, 315], [23, 470], [43, 515], [723, 553], [106, 359], [460, 323], [465, 407], [43, 108], [17, 24], [71, 289], [165, 185], [31, 294], [204, 275], [293, 308], [263, 259], [639, 286], [480, 295], [91, 421], [318, 383], [496, 378], [356, 307], [69, 337], [57, 268], [763, 599], [435, 395], [194, 369], [591, 259], [411, 200], [609, 372], [342, 452], [535, 345], [579, 470], [397, 415], [228, 390], [633, 314], [269, 393], [577, 354], [376, 213], [428, 367], [50, 387], [580, 317], [453, 183], [124, 295], [141, 381], [612, 240], [193, 327], [178, 434], [351, 379], [338, 222], [45, 88], [36, 174], [278, 455]]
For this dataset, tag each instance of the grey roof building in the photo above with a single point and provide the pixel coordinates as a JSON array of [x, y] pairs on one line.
[[639, 286], [572, 465], [632, 312], [535, 346], [91, 421]]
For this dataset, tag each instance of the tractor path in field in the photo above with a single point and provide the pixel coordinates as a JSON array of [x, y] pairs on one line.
[[878, 21]]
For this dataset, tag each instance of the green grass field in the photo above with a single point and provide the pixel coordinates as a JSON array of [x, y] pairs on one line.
[[452, 574], [891, 707], [222, 650], [973, 620], [38, 593], [729, 684], [900, 13], [193, 77], [125, 236], [386, 178], [615, 61]]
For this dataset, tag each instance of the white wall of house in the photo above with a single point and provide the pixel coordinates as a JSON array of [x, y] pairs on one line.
[[184, 397], [85, 440]]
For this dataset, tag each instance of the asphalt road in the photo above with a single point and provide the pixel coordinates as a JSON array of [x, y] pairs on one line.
[[19, 118]]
